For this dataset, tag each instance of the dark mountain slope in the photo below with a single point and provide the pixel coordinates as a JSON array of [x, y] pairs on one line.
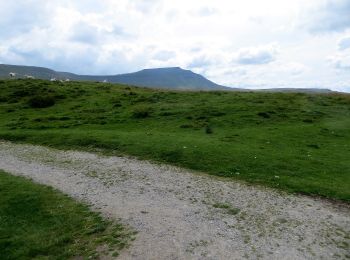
[[169, 78], [21, 71], [173, 78]]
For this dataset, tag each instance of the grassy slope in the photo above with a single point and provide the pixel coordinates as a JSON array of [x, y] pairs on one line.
[[38, 222], [296, 142]]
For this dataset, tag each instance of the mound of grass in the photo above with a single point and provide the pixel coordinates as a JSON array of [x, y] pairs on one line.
[[41, 101], [227, 207], [289, 141], [39, 222], [221, 206], [141, 112]]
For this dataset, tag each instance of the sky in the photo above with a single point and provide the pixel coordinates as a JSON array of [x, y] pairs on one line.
[[250, 43]]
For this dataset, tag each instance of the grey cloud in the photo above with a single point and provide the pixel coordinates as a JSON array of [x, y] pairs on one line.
[[342, 66], [256, 19], [340, 61], [25, 54], [200, 62], [203, 11], [331, 16], [18, 17], [88, 6], [256, 56], [207, 11], [171, 15], [58, 59], [85, 33], [164, 55], [144, 6], [118, 30], [344, 43], [196, 49], [235, 72], [117, 62]]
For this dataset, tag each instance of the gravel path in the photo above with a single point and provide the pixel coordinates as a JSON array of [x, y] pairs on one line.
[[184, 215]]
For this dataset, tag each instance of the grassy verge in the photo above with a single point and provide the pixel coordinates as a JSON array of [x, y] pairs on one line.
[[290, 141], [39, 222]]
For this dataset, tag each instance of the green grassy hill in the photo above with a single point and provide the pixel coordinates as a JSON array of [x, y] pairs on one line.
[[291, 141]]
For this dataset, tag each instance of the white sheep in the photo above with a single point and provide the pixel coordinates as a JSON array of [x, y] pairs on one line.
[[29, 77], [12, 74], [53, 79]]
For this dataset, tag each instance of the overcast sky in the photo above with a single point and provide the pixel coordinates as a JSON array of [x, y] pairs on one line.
[[250, 43]]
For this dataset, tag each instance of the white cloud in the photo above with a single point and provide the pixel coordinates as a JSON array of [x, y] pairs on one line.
[[340, 61], [256, 55], [144, 6], [327, 16], [164, 55], [294, 68], [204, 11], [200, 62], [85, 33], [228, 41], [344, 43]]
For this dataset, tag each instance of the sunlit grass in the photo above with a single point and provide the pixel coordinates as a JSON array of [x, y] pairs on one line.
[[290, 141], [39, 222]]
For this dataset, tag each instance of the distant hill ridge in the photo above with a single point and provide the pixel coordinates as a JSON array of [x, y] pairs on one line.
[[168, 78], [172, 77]]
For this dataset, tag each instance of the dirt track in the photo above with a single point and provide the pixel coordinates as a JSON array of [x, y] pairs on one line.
[[183, 215]]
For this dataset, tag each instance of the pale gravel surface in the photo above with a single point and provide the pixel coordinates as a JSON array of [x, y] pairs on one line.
[[172, 209]]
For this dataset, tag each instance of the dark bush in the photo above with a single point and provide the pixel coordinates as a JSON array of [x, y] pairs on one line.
[[117, 104], [22, 93], [208, 130], [41, 101], [167, 113], [201, 117], [217, 113], [186, 126], [4, 99], [315, 146], [308, 121], [264, 115], [60, 96], [141, 112]]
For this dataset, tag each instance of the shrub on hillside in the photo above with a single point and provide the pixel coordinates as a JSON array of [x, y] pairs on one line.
[[141, 112], [264, 114], [41, 101], [4, 99], [208, 130]]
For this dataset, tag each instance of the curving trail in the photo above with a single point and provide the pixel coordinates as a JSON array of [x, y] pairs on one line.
[[184, 215]]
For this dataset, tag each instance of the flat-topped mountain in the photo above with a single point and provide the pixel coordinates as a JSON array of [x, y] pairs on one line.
[[169, 78], [173, 77]]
